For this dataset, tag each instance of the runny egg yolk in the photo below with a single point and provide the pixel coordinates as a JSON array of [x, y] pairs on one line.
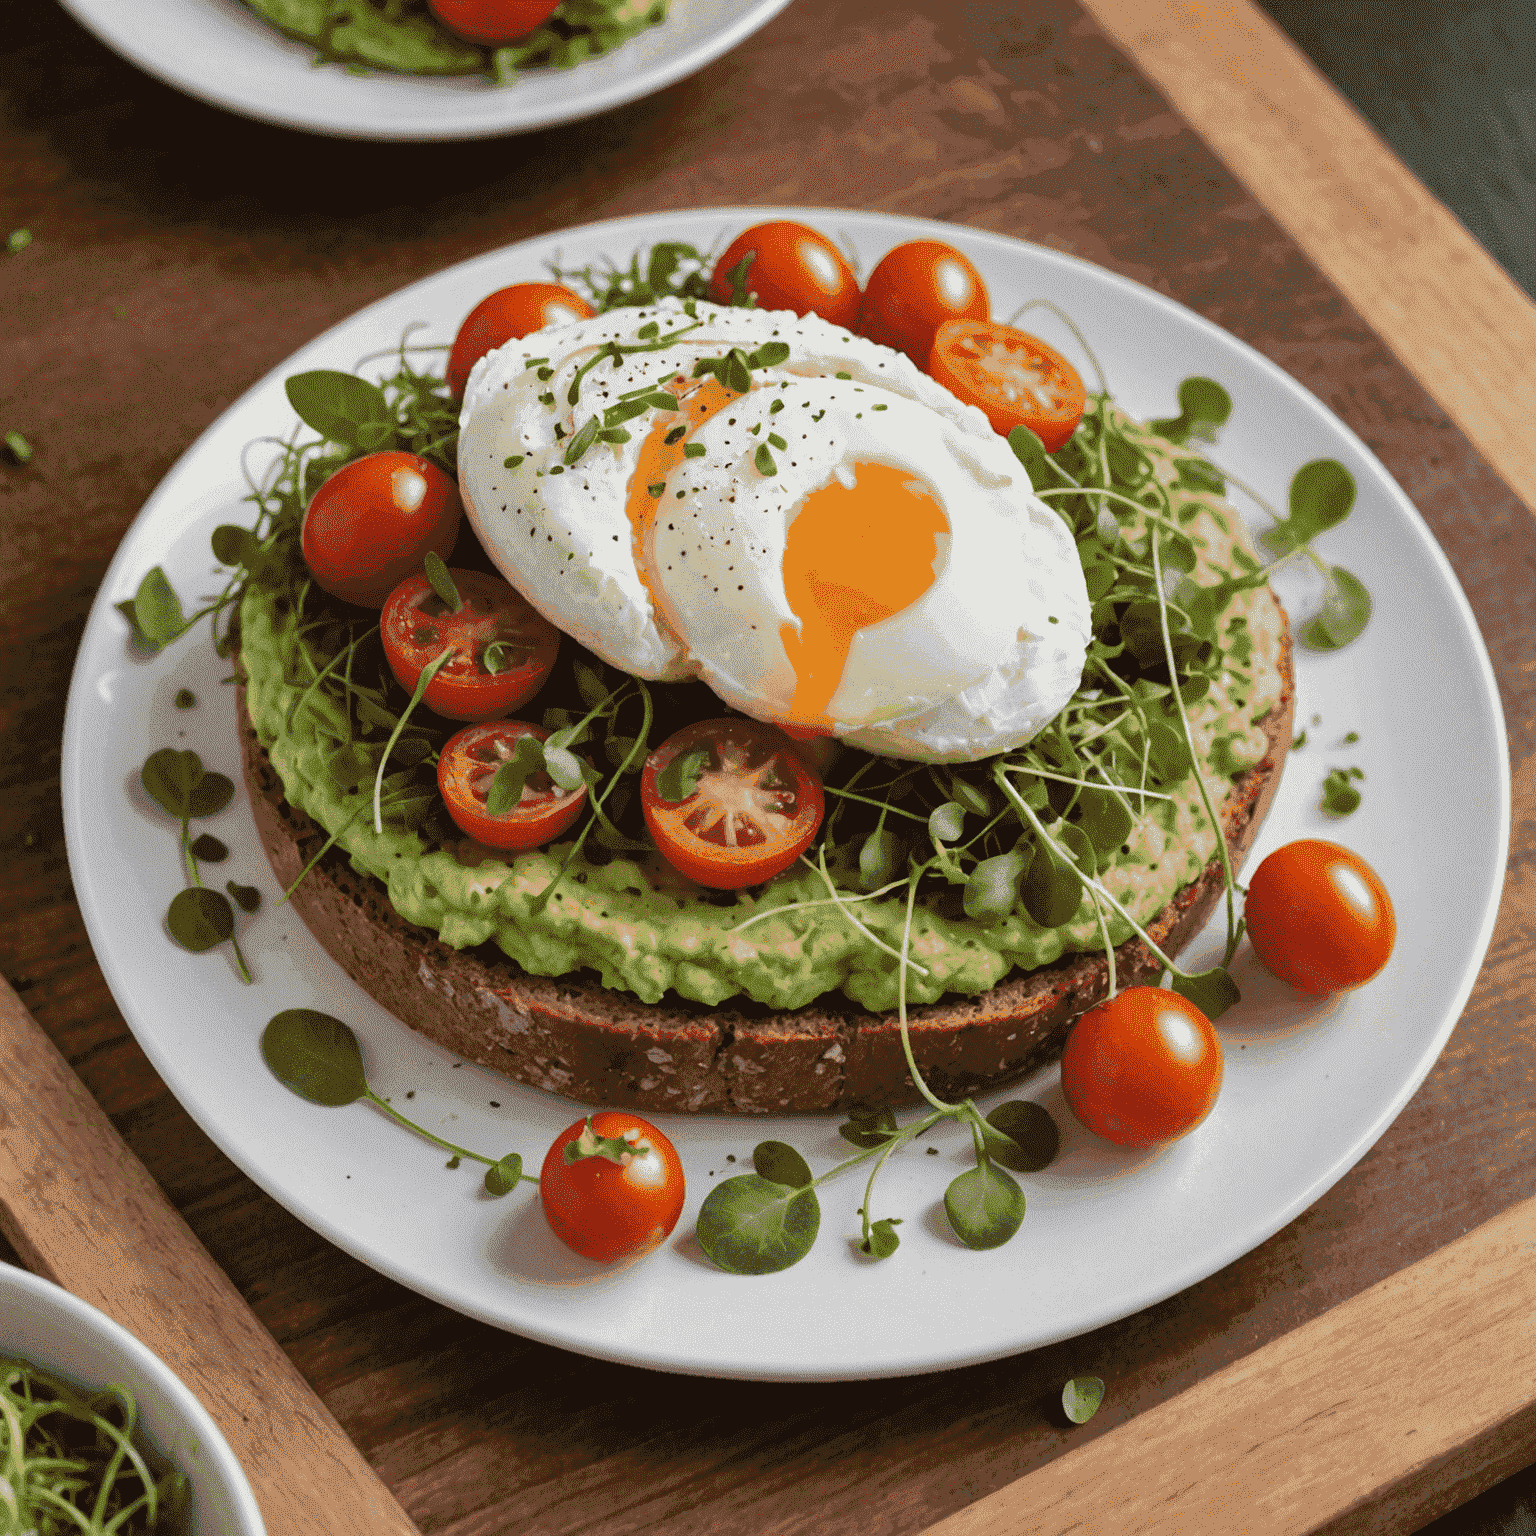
[[853, 556], [663, 450]]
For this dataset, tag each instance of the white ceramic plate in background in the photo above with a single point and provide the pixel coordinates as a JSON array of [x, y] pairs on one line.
[[224, 54], [1309, 1087], [46, 1326]]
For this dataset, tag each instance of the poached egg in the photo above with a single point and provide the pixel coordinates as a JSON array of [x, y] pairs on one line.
[[812, 526]]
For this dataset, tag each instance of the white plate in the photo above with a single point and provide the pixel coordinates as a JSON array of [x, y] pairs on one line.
[[1308, 1089], [226, 55]]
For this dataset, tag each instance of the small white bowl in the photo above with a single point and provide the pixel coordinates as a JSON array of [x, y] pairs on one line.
[[44, 1325]]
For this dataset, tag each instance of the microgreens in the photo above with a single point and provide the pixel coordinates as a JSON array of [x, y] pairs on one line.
[[199, 919], [319, 1058], [18, 447]]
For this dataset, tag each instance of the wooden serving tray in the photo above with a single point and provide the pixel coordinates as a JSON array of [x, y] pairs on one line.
[[1374, 1351]]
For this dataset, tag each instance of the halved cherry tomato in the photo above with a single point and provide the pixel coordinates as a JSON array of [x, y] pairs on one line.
[[465, 769], [752, 805], [612, 1186], [1143, 1067], [1319, 917], [793, 267], [503, 648], [913, 290], [375, 520], [508, 315], [491, 22], [1015, 378]]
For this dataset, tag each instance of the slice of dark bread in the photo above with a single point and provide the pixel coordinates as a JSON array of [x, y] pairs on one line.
[[573, 1037]]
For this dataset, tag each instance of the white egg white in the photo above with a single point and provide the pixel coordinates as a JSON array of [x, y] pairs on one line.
[[976, 665]]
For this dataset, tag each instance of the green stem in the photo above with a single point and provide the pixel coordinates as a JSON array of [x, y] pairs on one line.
[[447, 1146], [901, 1006], [1205, 794], [428, 672], [186, 854]]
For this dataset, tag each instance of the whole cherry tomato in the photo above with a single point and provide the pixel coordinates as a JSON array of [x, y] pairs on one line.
[[503, 648], [508, 315], [491, 22], [1014, 377], [467, 767], [1141, 1068], [1319, 917], [793, 267], [612, 1186], [913, 290], [374, 522], [737, 806]]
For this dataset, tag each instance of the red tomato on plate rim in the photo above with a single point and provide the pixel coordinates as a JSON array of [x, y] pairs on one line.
[[612, 1186], [375, 521], [793, 267], [509, 314], [1142, 1068], [468, 764], [1319, 917], [754, 811]]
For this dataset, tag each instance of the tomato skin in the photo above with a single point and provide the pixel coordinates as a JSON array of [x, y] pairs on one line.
[[753, 769], [415, 627], [793, 267], [491, 22], [1319, 917], [465, 768], [1014, 377], [509, 314], [913, 290], [607, 1210], [1143, 1067], [375, 520]]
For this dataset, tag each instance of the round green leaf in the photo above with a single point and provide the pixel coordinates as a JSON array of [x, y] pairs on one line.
[[1033, 1137], [1106, 819], [315, 1055], [972, 797], [246, 897], [503, 1177], [751, 1226], [563, 767], [1081, 1396], [992, 891], [882, 1241], [338, 405], [1052, 888], [1212, 991], [157, 609], [779, 1163], [210, 795], [171, 777], [200, 919], [879, 858], [946, 823], [985, 1206], [209, 849], [1345, 612]]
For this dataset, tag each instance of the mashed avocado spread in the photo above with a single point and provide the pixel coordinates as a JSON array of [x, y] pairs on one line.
[[403, 35], [646, 930]]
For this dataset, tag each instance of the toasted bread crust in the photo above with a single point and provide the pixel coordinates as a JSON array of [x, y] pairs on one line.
[[571, 1036]]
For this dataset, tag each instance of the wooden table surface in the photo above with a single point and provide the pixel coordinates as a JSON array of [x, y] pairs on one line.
[[179, 253]]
